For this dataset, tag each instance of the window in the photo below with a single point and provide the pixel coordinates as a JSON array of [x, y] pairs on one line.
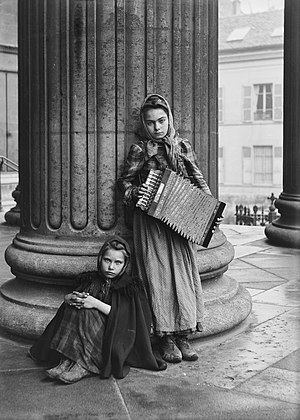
[[238, 34], [263, 165], [220, 105], [262, 102], [279, 31]]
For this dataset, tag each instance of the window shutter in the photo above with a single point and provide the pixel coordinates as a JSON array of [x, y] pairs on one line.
[[247, 165], [247, 103], [221, 105], [277, 175], [278, 102]]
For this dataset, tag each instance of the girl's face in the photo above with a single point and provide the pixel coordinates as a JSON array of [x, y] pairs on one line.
[[157, 122], [112, 263]]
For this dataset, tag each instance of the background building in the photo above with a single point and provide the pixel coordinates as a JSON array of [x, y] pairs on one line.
[[8, 95], [250, 105]]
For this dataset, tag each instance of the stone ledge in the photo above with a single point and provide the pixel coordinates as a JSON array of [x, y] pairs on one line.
[[27, 307]]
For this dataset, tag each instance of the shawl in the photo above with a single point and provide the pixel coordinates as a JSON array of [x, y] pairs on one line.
[[126, 340], [177, 160]]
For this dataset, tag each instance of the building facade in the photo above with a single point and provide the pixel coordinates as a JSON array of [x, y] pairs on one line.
[[8, 80], [250, 108], [8, 100]]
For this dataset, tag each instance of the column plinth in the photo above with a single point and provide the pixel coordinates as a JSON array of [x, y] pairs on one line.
[[285, 230]]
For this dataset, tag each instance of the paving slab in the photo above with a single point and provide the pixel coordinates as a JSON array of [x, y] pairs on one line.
[[280, 384], [266, 260], [13, 356], [245, 250], [238, 264], [189, 398], [253, 291], [287, 294], [36, 397], [254, 276], [262, 312], [290, 362], [238, 359], [290, 273]]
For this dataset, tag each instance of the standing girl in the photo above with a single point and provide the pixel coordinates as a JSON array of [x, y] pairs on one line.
[[165, 261]]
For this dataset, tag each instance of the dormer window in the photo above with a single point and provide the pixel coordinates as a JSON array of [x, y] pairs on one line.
[[238, 34]]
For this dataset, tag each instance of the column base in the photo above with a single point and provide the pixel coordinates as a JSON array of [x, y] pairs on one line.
[[280, 235], [27, 307], [285, 231], [227, 304], [13, 216]]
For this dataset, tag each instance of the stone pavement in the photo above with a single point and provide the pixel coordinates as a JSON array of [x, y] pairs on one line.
[[251, 372]]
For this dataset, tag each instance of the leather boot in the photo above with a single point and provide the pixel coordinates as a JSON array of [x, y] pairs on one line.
[[168, 350], [187, 352]]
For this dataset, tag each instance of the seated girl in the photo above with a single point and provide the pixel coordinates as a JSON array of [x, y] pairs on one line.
[[103, 327]]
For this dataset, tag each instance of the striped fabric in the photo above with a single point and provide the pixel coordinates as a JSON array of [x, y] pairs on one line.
[[167, 264]]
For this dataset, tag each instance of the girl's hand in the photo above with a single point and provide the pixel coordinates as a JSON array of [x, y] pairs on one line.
[[89, 302], [82, 300], [76, 299], [219, 221], [143, 188]]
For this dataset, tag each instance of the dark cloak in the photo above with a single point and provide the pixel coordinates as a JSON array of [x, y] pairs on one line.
[[126, 340]]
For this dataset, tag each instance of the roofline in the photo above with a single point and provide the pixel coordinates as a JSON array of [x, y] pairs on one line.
[[251, 49], [254, 55]]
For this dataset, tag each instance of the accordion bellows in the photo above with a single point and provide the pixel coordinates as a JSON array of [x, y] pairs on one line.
[[181, 205]]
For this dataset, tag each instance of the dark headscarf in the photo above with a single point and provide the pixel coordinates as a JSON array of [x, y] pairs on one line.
[[94, 282], [119, 244]]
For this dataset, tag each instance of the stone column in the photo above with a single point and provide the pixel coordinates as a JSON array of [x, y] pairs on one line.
[[285, 230], [85, 67]]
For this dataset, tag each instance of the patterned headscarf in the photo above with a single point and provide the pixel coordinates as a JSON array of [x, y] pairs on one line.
[[170, 141]]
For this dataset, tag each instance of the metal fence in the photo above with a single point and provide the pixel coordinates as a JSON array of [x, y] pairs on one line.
[[258, 215]]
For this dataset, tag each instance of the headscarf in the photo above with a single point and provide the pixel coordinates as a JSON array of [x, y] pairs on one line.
[[89, 281], [118, 243], [170, 141]]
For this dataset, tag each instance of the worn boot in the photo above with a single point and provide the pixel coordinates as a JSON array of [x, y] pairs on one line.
[[168, 350], [74, 374], [64, 365], [187, 352]]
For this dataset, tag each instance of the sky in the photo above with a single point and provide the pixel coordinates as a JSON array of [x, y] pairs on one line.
[[254, 6]]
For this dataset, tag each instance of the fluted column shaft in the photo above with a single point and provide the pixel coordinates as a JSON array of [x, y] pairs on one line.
[[85, 66], [286, 229]]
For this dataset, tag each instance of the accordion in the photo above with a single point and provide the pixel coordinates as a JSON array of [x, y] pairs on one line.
[[181, 205]]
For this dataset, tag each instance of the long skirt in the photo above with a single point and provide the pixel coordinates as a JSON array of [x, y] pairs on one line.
[[80, 336], [166, 262]]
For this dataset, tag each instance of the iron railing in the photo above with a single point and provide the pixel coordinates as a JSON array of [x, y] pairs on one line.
[[258, 215]]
